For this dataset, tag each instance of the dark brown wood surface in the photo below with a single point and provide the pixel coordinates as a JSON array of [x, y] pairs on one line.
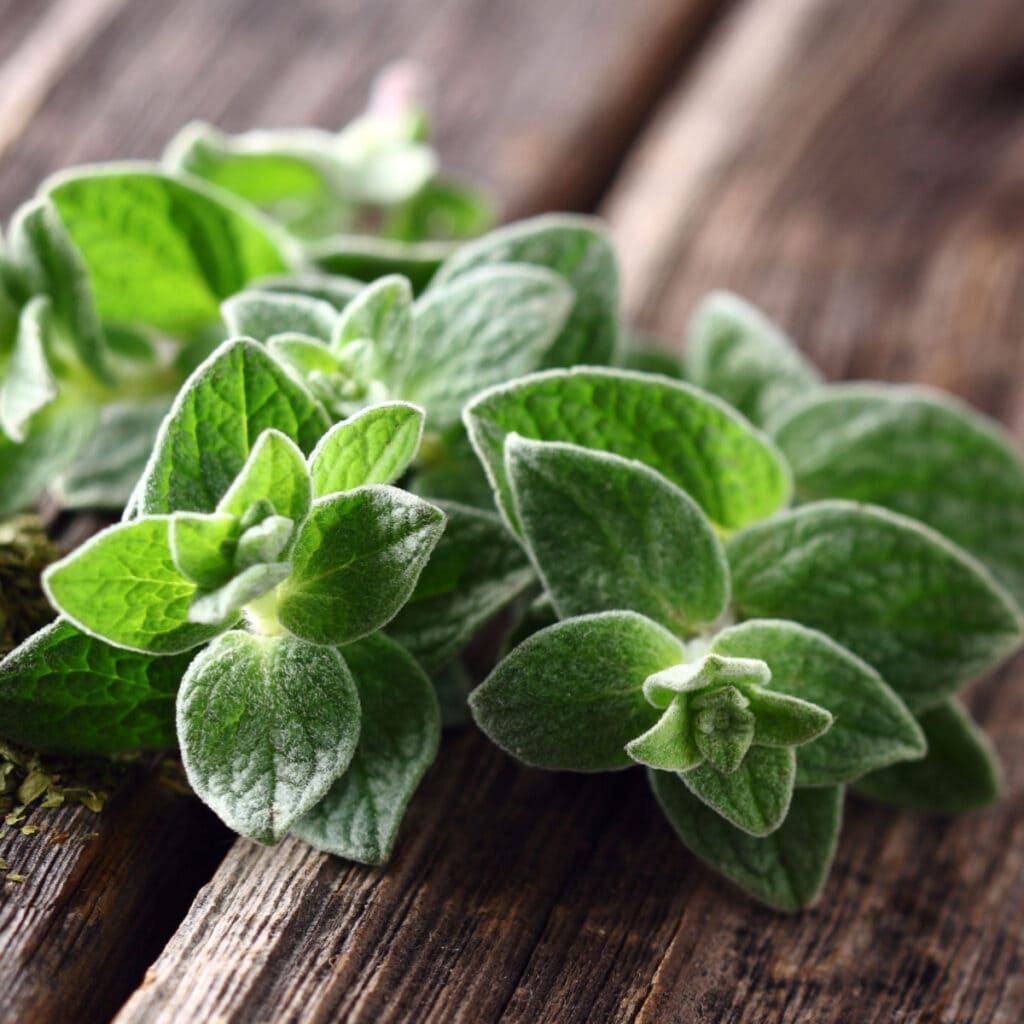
[[84, 80], [858, 170]]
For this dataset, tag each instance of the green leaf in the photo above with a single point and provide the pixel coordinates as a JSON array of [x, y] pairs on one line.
[[266, 724], [479, 330], [54, 437], [711, 671], [871, 726], [919, 452], [108, 467], [577, 248], [374, 446], [756, 796], [122, 586], [275, 471], [160, 250], [644, 357], [27, 383], [220, 607], [367, 259], [571, 696], [785, 721], [260, 315], [669, 744], [359, 817], [476, 570], [733, 350], [441, 209], [918, 609], [960, 772], [203, 546], [66, 692], [42, 249], [265, 541], [236, 394], [639, 543], [787, 869], [732, 471], [355, 563], [382, 313]]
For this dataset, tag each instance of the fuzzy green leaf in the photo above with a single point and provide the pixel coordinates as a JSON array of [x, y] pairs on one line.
[[333, 288], [733, 350], [918, 452], [571, 696], [265, 541], [476, 331], [123, 586], [236, 394], [918, 609], [960, 772], [203, 546], [43, 251], [374, 446], [579, 249], [355, 563], [787, 869], [756, 796], [27, 383], [54, 437], [359, 817], [669, 744], [66, 692], [382, 313], [275, 471], [266, 724], [785, 721], [871, 726], [639, 543], [161, 251], [476, 570], [723, 728], [260, 315], [732, 471], [710, 671], [108, 467]]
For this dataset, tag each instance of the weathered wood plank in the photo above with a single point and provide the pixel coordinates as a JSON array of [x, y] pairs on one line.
[[870, 198], [572, 95]]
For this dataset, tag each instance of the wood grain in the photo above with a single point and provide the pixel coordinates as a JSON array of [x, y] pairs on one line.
[[100, 893], [871, 199], [103, 79]]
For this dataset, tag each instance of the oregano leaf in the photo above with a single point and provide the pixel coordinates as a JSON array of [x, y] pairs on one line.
[[266, 725], [922, 612], [122, 586], [374, 446], [756, 796], [669, 744], [702, 446], [66, 692], [733, 350], [27, 383], [203, 546], [638, 542], [274, 471], [382, 313], [577, 248], [359, 817], [785, 721], [571, 696], [786, 869], [261, 314], [220, 607], [355, 562], [222, 409], [918, 452], [960, 772]]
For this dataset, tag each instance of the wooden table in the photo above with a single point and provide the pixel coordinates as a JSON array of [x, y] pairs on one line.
[[857, 169]]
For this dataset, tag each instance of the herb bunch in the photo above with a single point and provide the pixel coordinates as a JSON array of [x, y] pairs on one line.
[[755, 658]]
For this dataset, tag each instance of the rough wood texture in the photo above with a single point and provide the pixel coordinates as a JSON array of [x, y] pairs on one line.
[[871, 199], [102, 79], [100, 894]]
